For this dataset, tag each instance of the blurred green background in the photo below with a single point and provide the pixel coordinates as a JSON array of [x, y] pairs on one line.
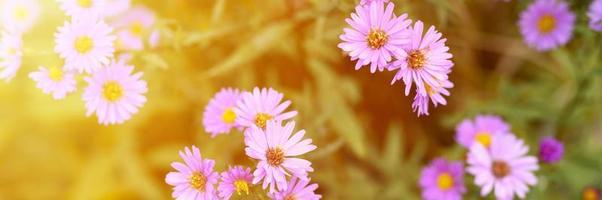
[[370, 143]]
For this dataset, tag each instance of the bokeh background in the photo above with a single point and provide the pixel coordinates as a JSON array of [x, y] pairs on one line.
[[370, 144]]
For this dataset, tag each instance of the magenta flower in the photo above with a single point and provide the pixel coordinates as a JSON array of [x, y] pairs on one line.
[[550, 150], [133, 27], [375, 36], [195, 178], [503, 167], [481, 130], [595, 15], [219, 116], [424, 61], [276, 151], [54, 81], [366, 2], [442, 180], [435, 94], [235, 179], [547, 24], [85, 43], [114, 93], [257, 107], [298, 189], [11, 53]]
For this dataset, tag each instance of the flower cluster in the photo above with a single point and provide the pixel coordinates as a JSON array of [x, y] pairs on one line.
[[269, 138], [383, 40], [86, 44], [496, 158]]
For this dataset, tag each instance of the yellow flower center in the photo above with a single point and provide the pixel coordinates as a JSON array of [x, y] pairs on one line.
[[445, 181], [290, 197], [85, 3], [546, 23], [84, 44], [416, 59], [136, 29], [241, 186], [21, 13], [55, 74], [376, 39], [500, 169], [229, 116], [275, 156], [112, 91], [197, 181], [261, 119], [484, 138]]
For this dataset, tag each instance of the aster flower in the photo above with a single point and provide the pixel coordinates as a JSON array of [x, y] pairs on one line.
[[257, 107], [503, 167], [83, 8], [426, 63], [442, 180], [236, 179], [133, 26], [550, 150], [219, 116], [54, 81], [10, 55], [114, 93], [595, 15], [85, 44], [298, 189], [481, 130], [435, 94], [547, 24], [115, 7], [276, 151], [19, 16], [375, 36], [366, 2], [195, 178]]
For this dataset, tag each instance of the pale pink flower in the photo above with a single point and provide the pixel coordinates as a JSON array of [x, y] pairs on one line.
[[298, 189], [195, 178], [54, 81], [18, 16], [10, 55], [83, 8], [257, 107], [219, 116], [503, 167], [375, 36], [86, 44], [236, 179], [154, 38], [276, 151], [133, 27], [114, 93], [424, 61]]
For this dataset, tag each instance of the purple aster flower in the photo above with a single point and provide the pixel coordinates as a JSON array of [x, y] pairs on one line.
[[481, 130], [421, 102], [595, 15], [257, 107], [547, 24], [195, 178], [366, 2], [236, 179], [298, 189], [503, 167], [276, 148], [550, 150], [424, 61], [375, 36], [442, 180], [219, 116]]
